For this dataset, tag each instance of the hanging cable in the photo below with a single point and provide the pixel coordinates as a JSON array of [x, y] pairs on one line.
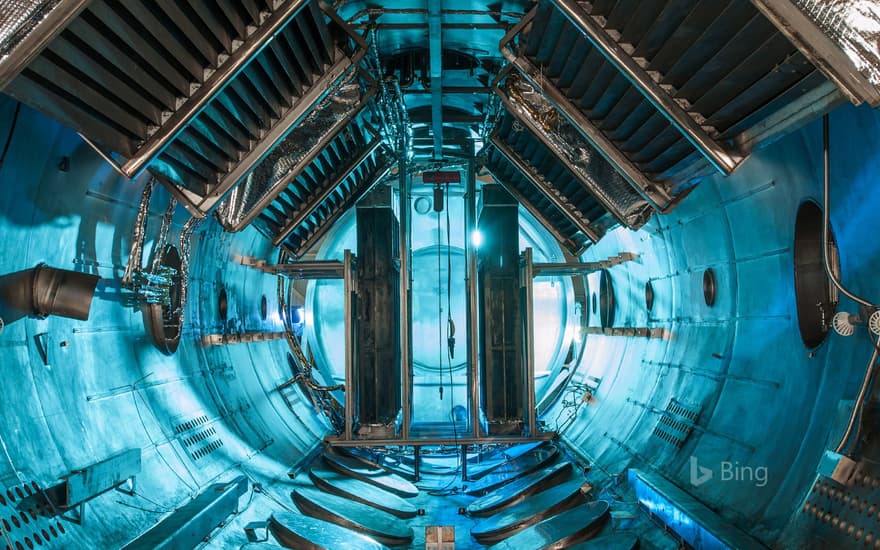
[[439, 300], [11, 133], [450, 327]]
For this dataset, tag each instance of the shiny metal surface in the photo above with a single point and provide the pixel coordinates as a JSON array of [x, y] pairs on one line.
[[27, 27], [299, 531], [513, 469], [530, 511], [560, 531], [516, 491], [359, 469], [840, 38], [359, 517], [359, 491]]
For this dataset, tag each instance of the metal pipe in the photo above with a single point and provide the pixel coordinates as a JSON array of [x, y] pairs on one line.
[[527, 281], [567, 209], [826, 216], [218, 80], [405, 317], [464, 472], [470, 220], [435, 41], [826, 222], [351, 387], [42, 291], [722, 159]]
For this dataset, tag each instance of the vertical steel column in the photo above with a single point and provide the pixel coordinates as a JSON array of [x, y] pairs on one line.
[[405, 286], [417, 464], [350, 386], [527, 280], [470, 217], [464, 474], [435, 43]]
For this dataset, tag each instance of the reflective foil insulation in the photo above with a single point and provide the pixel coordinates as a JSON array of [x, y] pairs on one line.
[[591, 168]]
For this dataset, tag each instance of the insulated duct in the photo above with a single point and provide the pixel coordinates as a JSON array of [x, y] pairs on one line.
[[595, 173], [43, 291]]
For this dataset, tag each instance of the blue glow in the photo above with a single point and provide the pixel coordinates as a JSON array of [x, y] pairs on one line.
[[476, 238]]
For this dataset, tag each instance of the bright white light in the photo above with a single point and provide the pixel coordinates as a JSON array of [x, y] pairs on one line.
[[477, 238]]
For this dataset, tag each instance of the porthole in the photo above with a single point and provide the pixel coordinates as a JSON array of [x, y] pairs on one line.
[[264, 307], [422, 205], [709, 287], [606, 300], [815, 296], [164, 321], [649, 296], [222, 305]]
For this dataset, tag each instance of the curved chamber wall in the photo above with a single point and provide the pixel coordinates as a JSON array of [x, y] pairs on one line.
[[204, 415], [757, 396], [732, 387]]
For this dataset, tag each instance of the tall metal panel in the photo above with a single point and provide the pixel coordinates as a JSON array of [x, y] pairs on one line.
[[501, 370], [377, 375]]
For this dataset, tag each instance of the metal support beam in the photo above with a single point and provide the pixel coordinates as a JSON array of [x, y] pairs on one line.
[[55, 21], [405, 286], [87, 483], [566, 208], [193, 522], [464, 472], [435, 42], [528, 327], [319, 269], [436, 442], [351, 389], [473, 362], [725, 161]]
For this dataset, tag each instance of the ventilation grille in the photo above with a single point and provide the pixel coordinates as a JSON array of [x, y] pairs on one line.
[[843, 517], [677, 422], [27, 520], [197, 439]]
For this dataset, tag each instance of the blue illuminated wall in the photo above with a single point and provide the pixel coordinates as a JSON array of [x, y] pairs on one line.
[[763, 399]]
